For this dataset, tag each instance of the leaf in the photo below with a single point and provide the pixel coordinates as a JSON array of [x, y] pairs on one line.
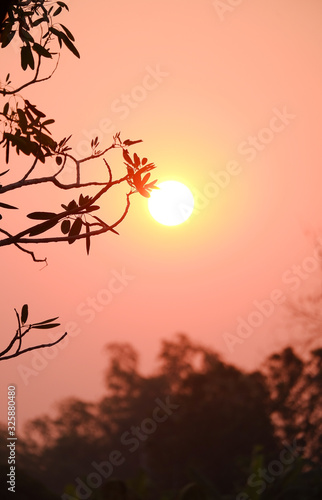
[[55, 31], [7, 151], [75, 229], [45, 140], [5, 172], [127, 157], [128, 142], [41, 215], [21, 143], [71, 205], [70, 45], [41, 228], [23, 124], [24, 313], [146, 178], [25, 35], [136, 160], [68, 33], [48, 122], [65, 226], [5, 205], [46, 327], [45, 322], [62, 4], [144, 160], [39, 21], [6, 38], [144, 193], [83, 200], [6, 108], [57, 11], [88, 238], [27, 59], [41, 50], [34, 109]]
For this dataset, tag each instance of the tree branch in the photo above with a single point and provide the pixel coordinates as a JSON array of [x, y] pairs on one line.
[[40, 346]]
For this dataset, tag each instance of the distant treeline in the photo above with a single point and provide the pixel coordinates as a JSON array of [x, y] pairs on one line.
[[196, 429]]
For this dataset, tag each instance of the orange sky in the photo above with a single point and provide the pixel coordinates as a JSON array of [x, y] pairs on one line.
[[228, 101]]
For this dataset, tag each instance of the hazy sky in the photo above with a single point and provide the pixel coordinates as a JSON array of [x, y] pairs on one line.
[[226, 96]]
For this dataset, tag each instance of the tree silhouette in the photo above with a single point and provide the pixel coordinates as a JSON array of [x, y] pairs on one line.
[[25, 130]]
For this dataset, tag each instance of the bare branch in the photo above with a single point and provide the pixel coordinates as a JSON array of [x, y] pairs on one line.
[[40, 346]]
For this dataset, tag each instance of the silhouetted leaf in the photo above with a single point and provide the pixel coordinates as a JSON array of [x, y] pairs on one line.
[[22, 120], [136, 160], [93, 208], [24, 313], [5, 172], [62, 4], [57, 11], [146, 178], [45, 140], [127, 157], [55, 31], [34, 109], [75, 229], [65, 226], [45, 322], [83, 200], [6, 108], [68, 33], [48, 122], [7, 35], [5, 205], [128, 142], [70, 45], [46, 327], [41, 215], [41, 50], [25, 35], [27, 59], [41, 228], [39, 21], [88, 239], [7, 151]]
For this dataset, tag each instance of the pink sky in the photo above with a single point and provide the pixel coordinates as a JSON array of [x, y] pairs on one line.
[[228, 102]]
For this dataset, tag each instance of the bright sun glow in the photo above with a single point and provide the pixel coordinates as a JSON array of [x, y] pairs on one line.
[[171, 204]]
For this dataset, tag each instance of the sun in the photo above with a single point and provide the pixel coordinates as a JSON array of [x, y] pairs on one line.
[[171, 204]]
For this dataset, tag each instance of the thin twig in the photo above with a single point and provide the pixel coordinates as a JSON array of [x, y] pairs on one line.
[[33, 348]]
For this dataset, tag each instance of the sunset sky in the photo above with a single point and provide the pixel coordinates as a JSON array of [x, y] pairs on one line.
[[227, 99]]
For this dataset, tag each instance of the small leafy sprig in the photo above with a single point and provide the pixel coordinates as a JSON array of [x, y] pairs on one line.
[[23, 329], [137, 168]]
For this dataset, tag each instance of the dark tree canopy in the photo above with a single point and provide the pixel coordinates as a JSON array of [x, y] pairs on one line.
[[220, 427]]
